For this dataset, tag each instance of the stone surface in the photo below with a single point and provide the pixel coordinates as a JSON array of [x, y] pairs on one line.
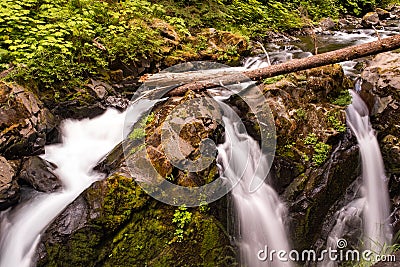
[[349, 22], [115, 223], [9, 189], [39, 174], [24, 122], [382, 13], [99, 89], [370, 19], [327, 24], [307, 115]]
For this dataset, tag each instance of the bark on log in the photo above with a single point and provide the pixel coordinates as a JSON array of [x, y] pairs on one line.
[[344, 54]]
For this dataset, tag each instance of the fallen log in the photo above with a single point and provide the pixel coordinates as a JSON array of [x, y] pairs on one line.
[[340, 55]]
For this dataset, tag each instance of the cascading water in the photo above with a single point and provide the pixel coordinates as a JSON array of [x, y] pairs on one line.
[[259, 212], [377, 232], [84, 143], [374, 206]]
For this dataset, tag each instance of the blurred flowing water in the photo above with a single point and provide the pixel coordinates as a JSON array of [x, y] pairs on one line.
[[370, 211], [258, 212], [84, 143]]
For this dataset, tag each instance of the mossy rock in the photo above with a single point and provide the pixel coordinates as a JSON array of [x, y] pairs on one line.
[[122, 226]]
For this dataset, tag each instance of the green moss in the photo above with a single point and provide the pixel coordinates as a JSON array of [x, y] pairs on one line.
[[311, 139], [81, 249], [344, 99], [273, 79], [335, 122], [137, 134], [321, 153], [122, 198], [139, 130], [133, 230], [182, 218], [212, 174], [301, 114]]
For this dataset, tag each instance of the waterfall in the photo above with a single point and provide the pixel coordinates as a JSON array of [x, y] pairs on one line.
[[372, 209], [84, 143], [259, 212], [377, 232]]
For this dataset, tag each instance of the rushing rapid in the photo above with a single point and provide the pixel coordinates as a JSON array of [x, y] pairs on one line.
[[376, 211], [259, 213], [84, 143], [368, 214]]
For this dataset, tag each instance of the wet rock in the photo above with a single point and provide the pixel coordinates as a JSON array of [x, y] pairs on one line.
[[279, 37], [327, 24], [314, 192], [349, 23], [119, 224], [100, 89], [77, 109], [370, 19], [24, 122], [381, 84], [39, 174], [9, 189], [395, 12], [119, 103], [116, 76], [382, 14], [115, 223]]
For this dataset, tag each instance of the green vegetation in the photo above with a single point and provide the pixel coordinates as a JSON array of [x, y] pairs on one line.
[[344, 99], [321, 152], [204, 208], [150, 118], [139, 131], [336, 123], [311, 139], [64, 42], [181, 219], [61, 43], [301, 114], [273, 79]]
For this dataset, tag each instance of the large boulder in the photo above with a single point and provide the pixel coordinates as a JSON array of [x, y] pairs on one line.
[[24, 122], [39, 174], [382, 13], [370, 19], [9, 189]]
